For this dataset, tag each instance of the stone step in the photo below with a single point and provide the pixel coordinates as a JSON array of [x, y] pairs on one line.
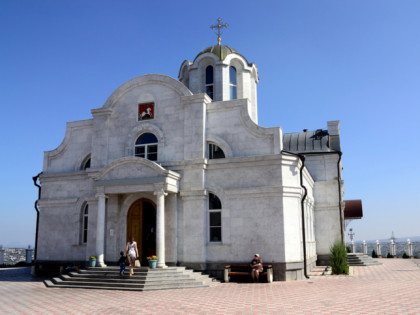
[[127, 279], [126, 276], [136, 271], [359, 259], [49, 284], [108, 278], [144, 269], [130, 280], [139, 287]]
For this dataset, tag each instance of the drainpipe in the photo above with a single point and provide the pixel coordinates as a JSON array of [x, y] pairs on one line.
[[339, 153], [35, 179], [339, 194], [302, 207]]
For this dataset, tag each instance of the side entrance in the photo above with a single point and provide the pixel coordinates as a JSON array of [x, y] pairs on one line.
[[141, 223]]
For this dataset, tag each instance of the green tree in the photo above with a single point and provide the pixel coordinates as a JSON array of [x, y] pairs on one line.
[[374, 255], [338, 258]]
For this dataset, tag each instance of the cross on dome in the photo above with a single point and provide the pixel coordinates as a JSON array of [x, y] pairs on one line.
[[219, 27]]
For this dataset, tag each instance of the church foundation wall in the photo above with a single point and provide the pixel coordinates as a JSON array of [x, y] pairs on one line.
[[323, 260]]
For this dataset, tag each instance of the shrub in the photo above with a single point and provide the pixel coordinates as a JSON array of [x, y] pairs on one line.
[[374, 255], [346, 270], [338, 258], [389, 255], [405, 255], [348, 249]]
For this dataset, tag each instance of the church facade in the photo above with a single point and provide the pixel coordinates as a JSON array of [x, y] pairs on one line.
[[184, 167]]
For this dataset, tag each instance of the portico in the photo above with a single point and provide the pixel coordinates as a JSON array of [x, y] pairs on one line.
[[129, 176]]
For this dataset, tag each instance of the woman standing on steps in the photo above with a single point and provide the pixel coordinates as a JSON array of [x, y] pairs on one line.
[[132, 253]]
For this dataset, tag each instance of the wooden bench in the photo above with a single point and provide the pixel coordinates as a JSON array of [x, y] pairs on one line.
[[245, 270]]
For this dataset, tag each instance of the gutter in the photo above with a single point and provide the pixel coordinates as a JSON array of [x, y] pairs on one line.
[[35, 179], [302, 207], [339, 194]]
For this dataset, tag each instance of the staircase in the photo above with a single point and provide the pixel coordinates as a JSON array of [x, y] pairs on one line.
[[144, 279], [359, 259]]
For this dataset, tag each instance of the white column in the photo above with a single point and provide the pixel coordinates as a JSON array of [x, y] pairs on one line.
[[100, 231], [364, 248], [378, 248], [392, 248], [160, 227], [409, 248], [353, 247]]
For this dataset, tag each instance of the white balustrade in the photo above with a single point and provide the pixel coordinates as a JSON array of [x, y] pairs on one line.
[[409, 248], [364, 246], [378, 249]]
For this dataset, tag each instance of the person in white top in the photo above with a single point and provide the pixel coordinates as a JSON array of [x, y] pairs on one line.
[[132, 253]]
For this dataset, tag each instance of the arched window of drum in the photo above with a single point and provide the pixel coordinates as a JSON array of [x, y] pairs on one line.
[[85, 224], [147, 146], [232, 83], [215, 152], [210, 81], [215, 218]]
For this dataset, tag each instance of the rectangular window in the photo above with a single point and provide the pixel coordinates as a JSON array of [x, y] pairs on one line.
[[85, 228], [215, 219], [215, 234], [233, 95], [152, 152], [215, 226], [209, 91], [140, 151]]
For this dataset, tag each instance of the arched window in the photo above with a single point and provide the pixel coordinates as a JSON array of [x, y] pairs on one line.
[[85, 224], [232, 83], [87, 164], [215, 152], [147, 146], [210, 81], [215, 218]]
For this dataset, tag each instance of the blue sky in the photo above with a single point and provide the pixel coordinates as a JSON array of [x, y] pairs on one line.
[[355, 61]]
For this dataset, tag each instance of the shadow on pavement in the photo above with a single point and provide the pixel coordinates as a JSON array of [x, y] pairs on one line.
[[19, 274]]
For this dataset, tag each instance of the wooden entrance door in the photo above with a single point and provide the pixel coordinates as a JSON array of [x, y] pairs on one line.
[[141, 223]]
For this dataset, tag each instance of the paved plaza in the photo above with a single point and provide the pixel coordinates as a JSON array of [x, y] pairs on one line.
[[391, 288]]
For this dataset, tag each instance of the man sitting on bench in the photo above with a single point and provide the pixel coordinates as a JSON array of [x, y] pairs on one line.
[[257, 267]]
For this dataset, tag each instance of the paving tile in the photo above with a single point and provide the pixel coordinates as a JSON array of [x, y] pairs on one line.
[[390, 288]]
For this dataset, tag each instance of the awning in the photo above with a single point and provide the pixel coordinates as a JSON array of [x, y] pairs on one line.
[[353, 209]]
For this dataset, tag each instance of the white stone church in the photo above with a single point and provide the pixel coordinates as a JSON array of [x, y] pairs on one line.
[[184, 167]]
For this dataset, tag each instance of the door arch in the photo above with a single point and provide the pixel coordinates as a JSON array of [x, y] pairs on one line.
[[141, 223]]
